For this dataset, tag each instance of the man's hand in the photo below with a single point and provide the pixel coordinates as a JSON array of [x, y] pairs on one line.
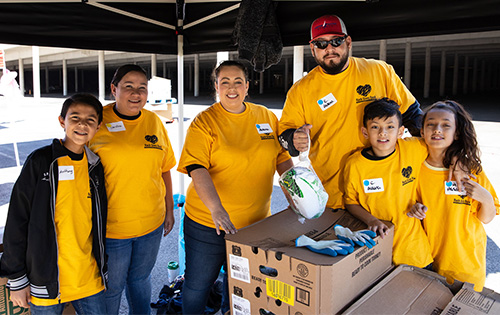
[[21, 297], [417, 211], [301, 138]]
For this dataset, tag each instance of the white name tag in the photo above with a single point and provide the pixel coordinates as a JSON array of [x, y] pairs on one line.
[[451, 188], [373, 185], [327, 101], [115, 126], [264, 128], [66, 172]]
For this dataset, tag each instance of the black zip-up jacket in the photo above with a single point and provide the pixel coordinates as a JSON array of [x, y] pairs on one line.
[[30, 240]]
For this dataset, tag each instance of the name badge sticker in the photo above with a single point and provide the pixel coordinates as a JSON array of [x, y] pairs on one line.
[[115, 126], [327, 102], [373, 185], [451, 188], [66, 172], [263, 128]]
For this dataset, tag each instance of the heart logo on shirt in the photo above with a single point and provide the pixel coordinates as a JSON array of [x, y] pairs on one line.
[[153, 139], [364, 89], [406, 172]]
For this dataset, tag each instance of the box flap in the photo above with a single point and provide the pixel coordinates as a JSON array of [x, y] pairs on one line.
[[468, 301], [406, 290]]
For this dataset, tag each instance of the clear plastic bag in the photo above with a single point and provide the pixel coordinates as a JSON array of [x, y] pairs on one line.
[[303, 189]]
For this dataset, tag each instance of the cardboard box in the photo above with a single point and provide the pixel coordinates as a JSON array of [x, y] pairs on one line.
[[406, 290], [268, 273], [467, 301], [6, 307]]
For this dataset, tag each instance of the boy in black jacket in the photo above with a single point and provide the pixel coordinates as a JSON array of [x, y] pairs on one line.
[[56, 226]]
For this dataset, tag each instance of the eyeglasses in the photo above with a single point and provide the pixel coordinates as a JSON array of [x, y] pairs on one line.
[[322, 44]]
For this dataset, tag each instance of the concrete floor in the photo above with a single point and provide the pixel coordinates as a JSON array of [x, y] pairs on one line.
[[32, 123]]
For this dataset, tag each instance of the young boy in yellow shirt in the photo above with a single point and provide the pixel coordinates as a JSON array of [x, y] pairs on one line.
[[54, 249], [380, 182]]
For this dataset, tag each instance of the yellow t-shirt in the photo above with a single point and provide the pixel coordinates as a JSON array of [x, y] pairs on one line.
[[134, 154], [79, 275], [334, 105], [456, 235], [386, 189], [240, 151]]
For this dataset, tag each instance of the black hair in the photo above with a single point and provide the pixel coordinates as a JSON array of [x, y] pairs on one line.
[[382, 108], [464, 147], [228, 63], [123, 70], [83, 99]]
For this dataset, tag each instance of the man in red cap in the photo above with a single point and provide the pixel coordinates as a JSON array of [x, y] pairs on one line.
[[328, 104]]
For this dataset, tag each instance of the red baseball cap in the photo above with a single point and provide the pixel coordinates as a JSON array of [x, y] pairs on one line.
[[327, 25]]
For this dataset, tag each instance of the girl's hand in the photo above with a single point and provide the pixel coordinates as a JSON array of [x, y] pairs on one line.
[[378, 227], [221, 219], [417, 211], [459, 172], [168, 224], [477, 192], [21, 297]]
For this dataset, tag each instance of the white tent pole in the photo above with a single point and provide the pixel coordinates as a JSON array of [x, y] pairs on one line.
[[180, 96]]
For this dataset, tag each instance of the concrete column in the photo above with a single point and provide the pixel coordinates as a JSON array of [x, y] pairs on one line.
[[197, 75], [101, 74], [190, 77], [164, 69], [261, 83], [408, 64], [47, 80], [20, 75], [76, 79], [455, 76], [427, 74], [36, 71], [474, 75], [383, 50], [298, 62], [65, 76], [466, 75], [286, 76], [154, 57], [442, 77]]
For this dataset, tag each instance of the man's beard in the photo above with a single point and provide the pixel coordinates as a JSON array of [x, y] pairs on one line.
[[332, 68]]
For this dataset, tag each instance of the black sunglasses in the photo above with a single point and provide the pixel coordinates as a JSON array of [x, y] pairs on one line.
[[322, 44]]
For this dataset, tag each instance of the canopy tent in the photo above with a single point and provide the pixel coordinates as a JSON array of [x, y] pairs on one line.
[[150, 26], [197, 26]]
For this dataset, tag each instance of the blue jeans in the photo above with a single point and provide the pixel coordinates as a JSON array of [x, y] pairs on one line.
[[94, 304], [130, 262], [205, 255]]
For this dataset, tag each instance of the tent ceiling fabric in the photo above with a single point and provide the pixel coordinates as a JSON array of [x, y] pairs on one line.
[[82, 25]]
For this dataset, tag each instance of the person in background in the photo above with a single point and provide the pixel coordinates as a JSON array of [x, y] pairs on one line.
[[328, 104], [453, 218], [54, 241], [137, 156], [231, 153]]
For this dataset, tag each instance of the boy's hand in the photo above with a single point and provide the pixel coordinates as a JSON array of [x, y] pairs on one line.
[[378, 227], [301, 138], [417, 211], [477, 192], [21, 297]]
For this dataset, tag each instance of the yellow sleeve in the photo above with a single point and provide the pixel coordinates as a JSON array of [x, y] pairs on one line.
[[169, 158], [197, 145], [293, 111], [483, 180], [351, 194]]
